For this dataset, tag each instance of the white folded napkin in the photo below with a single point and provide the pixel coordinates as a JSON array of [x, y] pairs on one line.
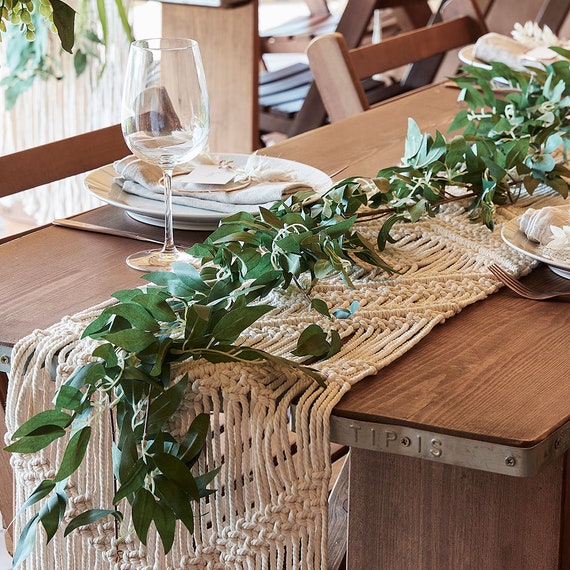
[[267, 184], [496, 47]]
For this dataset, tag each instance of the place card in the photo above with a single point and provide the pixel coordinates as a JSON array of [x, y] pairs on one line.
[[210, 174]]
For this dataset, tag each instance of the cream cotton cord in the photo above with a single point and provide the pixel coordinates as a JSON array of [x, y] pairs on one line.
[[270, 510]]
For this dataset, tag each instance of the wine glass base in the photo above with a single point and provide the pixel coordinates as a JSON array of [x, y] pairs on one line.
[[157, 260]]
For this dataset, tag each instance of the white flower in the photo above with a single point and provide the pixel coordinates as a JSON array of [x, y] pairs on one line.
[[532, 35], [561, 238]]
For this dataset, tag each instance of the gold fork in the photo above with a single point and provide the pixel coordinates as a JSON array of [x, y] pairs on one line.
[[522, 289]]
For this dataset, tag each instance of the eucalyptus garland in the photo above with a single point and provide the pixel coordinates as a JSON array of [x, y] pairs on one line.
[[506, 143]]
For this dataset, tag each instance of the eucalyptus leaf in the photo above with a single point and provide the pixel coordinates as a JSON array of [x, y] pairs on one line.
[[233, 323], [176, 501], [42, 490], [31, 444], [51, 514], [74, 453], [177, 472], [26, 541], [43, 419], [165, 522], [143, 512], [132, 340], [89, 517], [165, 404]]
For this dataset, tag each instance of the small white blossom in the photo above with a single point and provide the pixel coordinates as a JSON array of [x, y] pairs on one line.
[[532, 35]]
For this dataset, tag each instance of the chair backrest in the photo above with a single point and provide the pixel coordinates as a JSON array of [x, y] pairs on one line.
[[501, 15], [337, 71], [61, 159]]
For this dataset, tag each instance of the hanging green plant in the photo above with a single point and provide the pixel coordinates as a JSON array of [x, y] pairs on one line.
[[26, 27]]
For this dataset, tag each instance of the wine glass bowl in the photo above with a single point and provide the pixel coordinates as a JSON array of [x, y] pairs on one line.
[[165, 122]]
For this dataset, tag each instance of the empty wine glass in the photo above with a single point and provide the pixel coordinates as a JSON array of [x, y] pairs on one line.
[[165, 122]]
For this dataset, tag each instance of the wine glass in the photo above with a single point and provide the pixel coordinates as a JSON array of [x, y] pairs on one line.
[[165, 122]]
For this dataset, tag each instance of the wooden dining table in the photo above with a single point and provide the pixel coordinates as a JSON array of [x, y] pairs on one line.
[[457, 449]]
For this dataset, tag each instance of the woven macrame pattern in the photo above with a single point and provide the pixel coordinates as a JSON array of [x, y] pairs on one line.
[[270, 510]]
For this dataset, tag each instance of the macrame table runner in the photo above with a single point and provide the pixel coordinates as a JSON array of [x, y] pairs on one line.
[[270, 510]]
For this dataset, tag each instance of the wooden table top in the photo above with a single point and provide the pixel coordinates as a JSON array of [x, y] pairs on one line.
[[498, 371]]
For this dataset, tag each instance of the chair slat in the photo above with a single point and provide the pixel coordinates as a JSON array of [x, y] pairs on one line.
[[338, 70], [58, 160]]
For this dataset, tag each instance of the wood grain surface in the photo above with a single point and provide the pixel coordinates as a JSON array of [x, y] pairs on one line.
[[410, 514]]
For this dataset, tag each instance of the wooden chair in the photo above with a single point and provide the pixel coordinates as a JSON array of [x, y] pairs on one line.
[[293, 36], [338, 71], [501, 15], [61, 159], [290, 103]]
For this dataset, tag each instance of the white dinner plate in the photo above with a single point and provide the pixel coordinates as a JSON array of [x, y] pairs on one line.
[[513, 236], [467, 56], [101, 183]]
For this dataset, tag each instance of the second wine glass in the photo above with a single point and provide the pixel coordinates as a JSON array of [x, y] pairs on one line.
[[165, 122]]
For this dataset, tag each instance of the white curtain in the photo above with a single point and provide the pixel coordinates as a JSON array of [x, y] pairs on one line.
[[52, 109]]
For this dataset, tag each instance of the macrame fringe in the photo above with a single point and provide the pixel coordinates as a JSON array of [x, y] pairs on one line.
[[270, 509]]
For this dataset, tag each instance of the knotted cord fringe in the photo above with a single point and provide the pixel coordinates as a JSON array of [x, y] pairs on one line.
[[270, 510]]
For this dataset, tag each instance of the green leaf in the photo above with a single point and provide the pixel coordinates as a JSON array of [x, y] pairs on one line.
[[233, 323], [176, 471], [202, 481], [143, 512], [320, 306], [79, 62], [74, 453], [135, 314], [51, 514], [347, 313], [414, 140], [125, 456], [89, 517], [312, 341], [195, 437], [64, 20], [31, 444], [41, 420], [460, 121], [79, 377], [41, 491], [107, 352], [102, 13], [132, 340], [26, 541], [133, 481], [68, 398], [124, 19], [165, 523], [176, 500], [162, 408]]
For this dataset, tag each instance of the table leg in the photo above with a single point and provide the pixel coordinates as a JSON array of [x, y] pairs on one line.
[[411, 514], [6, 475]]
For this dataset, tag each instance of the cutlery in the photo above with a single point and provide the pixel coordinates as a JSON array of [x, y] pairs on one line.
[[75, 224], [522, 289]]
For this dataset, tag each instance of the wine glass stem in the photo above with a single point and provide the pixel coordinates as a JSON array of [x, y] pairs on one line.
[[168, 246]]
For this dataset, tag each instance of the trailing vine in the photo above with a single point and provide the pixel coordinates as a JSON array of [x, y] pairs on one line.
[[505, 145]]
